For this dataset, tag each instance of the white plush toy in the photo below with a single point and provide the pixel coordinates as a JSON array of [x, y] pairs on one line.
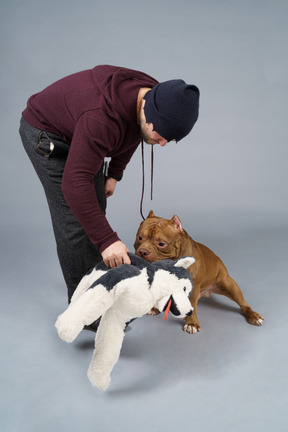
[[118, 296]]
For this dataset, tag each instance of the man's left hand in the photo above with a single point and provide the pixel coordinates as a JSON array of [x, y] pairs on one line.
[[110, 185]]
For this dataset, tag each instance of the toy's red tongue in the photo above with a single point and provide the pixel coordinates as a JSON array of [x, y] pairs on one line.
[[167, 309]]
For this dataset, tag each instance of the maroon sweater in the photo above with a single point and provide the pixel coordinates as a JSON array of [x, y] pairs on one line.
[[95, 111]]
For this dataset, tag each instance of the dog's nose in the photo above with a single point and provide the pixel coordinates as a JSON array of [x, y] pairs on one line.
[[143, 253]]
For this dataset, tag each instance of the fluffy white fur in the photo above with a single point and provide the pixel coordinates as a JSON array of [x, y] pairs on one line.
[[130, 298]]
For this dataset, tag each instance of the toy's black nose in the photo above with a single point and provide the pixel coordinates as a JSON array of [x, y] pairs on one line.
[[189, 313]]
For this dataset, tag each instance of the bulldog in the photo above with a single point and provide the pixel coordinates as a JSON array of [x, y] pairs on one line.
[[158, 238]]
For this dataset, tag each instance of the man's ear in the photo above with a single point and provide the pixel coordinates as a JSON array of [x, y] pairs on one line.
[[184, 262], [176, 223]]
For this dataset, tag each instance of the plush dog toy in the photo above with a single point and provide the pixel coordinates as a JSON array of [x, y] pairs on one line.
[[118, 296]]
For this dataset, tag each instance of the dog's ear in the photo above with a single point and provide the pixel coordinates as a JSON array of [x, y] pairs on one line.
[[151, 214], [184, 262], [176, 223]]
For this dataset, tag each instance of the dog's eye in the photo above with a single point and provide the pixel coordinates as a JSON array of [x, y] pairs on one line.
[[161, 244], [140, 238]]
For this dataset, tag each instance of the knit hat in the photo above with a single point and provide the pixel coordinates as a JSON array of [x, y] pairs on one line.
[[172, 107]]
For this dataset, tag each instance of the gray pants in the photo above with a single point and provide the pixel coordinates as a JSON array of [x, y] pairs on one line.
[[48, 154]]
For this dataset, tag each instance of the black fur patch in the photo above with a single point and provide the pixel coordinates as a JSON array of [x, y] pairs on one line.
[[126, 271], [111, 278]]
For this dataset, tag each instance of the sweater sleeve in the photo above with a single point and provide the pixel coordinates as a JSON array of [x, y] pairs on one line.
[[84, 160], [118, 163]]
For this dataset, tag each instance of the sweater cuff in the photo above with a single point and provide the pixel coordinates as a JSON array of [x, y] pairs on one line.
[[115, 177], [108, 241]]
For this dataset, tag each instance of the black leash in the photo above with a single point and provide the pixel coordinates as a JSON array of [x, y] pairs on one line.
[[143, 176]]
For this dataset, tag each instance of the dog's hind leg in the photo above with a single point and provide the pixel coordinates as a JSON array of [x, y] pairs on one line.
[[228, 287]]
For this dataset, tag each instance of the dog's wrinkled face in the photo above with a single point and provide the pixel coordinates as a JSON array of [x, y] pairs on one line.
[[158, 238]]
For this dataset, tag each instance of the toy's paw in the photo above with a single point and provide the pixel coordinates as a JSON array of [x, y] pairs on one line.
[[252, 317], [98, 380], [191, 325], [154, 311], [67, 331]]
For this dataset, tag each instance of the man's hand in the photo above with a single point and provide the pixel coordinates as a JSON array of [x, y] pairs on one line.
[[110, 185], [116, 254]]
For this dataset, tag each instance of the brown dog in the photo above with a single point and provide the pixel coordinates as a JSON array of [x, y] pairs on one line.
[[159, 238]]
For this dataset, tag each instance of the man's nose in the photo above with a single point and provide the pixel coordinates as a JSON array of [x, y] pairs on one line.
[[163, 142]]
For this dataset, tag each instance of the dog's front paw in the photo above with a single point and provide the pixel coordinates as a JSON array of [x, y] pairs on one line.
[[191, 325], [191, 329], [154, 311]]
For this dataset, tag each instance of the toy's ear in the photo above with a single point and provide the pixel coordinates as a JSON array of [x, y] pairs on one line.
[[184, 262]]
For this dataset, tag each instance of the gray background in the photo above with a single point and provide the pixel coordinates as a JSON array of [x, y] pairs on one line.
[[227, 181]]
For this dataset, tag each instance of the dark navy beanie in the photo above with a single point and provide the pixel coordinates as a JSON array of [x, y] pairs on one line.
[[172, 107]]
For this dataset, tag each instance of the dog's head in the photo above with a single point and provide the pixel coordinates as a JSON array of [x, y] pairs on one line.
[[158, 238], [174, 284]]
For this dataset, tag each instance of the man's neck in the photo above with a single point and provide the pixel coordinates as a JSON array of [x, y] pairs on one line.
[[141, 102]]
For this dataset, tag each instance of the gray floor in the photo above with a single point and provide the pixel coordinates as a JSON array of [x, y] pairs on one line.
[[227, 182], [231, 376]]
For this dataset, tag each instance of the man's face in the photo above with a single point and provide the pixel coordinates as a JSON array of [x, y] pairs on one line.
[[149, 135]]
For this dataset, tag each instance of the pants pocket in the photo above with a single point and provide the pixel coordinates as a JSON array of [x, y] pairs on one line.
[[45, 145], [50, 145]]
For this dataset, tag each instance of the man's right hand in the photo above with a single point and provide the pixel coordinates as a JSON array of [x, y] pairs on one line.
[[116, 254]]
